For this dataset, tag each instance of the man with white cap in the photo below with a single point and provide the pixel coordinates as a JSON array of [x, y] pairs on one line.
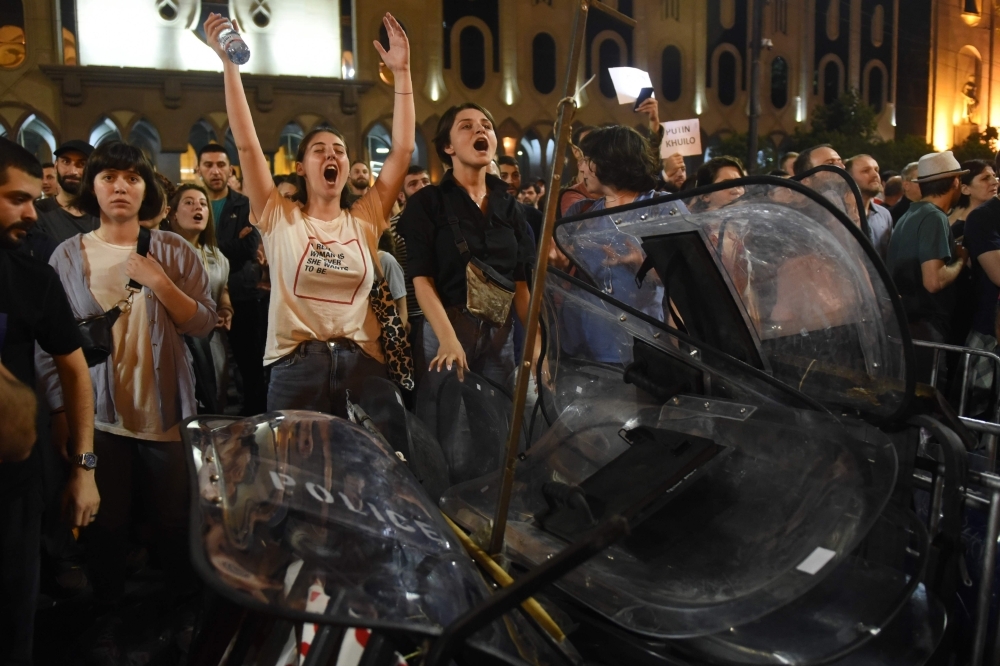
[[923, 259]]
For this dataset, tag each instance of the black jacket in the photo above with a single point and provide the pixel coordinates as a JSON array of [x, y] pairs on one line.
[[244, 271]]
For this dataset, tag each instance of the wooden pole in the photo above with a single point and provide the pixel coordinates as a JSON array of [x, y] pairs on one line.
[[564, 121]]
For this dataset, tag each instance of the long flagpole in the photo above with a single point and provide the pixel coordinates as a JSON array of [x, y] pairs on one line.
[[564, 121]]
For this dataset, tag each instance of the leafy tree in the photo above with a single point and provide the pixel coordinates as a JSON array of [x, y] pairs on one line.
[[850, 126], [848, 115], [977, 146]]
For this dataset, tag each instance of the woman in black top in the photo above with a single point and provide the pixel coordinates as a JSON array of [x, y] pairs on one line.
[[491, 225]]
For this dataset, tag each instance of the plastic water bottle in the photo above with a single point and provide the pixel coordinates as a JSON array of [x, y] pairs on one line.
[[234, 46]]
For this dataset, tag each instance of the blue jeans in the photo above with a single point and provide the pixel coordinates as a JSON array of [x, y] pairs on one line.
[[317, 375], [489, 350]]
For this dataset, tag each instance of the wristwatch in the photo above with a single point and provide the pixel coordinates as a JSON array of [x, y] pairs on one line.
[[86, 460]]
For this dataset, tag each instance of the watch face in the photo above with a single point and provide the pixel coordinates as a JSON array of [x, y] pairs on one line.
[[89, 460]]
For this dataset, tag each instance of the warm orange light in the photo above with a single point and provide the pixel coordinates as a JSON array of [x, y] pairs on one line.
[[509, 144], [970, 18]]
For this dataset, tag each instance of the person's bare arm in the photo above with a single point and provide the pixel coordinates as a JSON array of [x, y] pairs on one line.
[[80, 497], [397, 59], [257, 181], [450, 351], [17, 418], [990, 261], [937, 275]]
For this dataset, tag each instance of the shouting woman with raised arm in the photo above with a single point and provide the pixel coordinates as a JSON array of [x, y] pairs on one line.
[[322, 335]]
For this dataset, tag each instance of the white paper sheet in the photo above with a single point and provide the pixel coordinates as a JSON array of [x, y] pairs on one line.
[[681, 136], [628, 82]]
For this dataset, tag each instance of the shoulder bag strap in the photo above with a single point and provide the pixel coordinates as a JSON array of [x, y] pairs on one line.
[[449, 211], [142, 249]]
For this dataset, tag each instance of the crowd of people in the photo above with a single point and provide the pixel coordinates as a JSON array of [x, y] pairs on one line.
[[124, 297]]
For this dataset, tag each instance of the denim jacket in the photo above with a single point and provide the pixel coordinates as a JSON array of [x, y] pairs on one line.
[[174, 374]]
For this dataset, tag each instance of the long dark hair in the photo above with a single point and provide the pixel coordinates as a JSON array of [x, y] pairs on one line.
[[207, 236], [302, 196], [442, 138], [975, 168], [121, 157], [621, 158]]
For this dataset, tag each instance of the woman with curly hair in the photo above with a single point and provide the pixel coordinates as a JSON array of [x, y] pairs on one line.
[[617, 168]]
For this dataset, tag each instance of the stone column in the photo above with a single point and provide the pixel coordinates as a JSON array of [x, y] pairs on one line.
[[854, 48], [434, 87], [510, 93]]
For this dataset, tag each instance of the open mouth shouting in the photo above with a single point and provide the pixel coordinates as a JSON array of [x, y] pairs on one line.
[[198, 217], [481, 145], [330, 174]]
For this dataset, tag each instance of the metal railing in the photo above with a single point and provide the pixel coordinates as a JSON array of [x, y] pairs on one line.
[[990, 430]]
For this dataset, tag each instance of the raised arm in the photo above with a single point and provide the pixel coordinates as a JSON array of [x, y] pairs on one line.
[[257, 182], [404, 118]]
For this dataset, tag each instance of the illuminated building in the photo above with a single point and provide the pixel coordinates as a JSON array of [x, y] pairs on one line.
[[137, 69]]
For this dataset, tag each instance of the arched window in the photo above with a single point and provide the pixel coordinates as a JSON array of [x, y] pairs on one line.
[[420, 154], [379, 143], [543, 63], [202, 133], [670, 73], [288, 146], [832, 76], [779, 83], [726, 78], [609, 54], [472, 57], [878, 26], [104, 131], [12, 44], [875, 88], [37, 137], [833, 20], [529, 156], [146, 138]]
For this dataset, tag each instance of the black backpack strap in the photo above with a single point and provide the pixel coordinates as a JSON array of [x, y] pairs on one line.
[[142, 249], [452, 217]]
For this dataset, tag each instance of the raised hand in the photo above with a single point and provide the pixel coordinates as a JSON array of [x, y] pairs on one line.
[[214, 25], [652, 109], [397, 58]]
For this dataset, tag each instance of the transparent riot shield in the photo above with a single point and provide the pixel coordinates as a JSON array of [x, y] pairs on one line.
[[307, 517], [772, 274]]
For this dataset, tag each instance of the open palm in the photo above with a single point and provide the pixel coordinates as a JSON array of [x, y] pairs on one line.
[[397, 58]]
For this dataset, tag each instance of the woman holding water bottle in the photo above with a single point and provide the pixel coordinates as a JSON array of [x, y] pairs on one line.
[[322, 335]]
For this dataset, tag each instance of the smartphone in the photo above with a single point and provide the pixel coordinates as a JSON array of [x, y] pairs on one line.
[[644, 94]]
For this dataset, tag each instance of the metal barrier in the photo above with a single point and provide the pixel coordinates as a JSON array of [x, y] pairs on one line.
[[988, 497], [989, 429]]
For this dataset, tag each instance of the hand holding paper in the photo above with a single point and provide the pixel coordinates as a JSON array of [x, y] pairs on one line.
[[631, 84]]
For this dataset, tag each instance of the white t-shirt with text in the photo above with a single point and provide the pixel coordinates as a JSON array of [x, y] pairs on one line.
[[321, 275]]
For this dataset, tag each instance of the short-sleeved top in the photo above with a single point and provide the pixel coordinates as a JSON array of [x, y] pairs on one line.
[[880, 228], [33, 308], [137, 412], [59, 224], [922, 235], [982, 235], [500, 237], [321, 275], [393, 275]]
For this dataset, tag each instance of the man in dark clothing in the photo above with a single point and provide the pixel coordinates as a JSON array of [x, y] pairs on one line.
[[240, 242], [923, 259], [57, 218], [510, 173], [34, 309], [911, 192]]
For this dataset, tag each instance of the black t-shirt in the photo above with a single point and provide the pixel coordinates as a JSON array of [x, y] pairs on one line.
[[60, 225], [500, 238], [46, 205], [535, 219], [982, 234], [33, 306]]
